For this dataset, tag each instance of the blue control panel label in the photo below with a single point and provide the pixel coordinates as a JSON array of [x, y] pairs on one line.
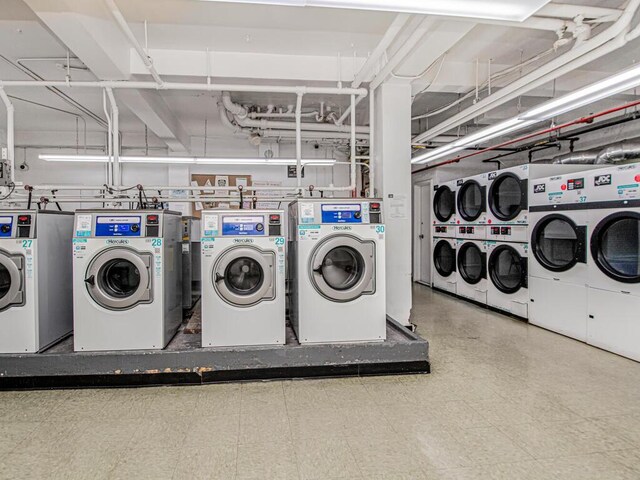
[[129, 226], [333, 213], [237, 225], [6, 226]]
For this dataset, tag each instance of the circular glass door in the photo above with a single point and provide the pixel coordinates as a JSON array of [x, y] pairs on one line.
[[506, 197], [11, 280], [119, 278], [244, 276], [471, 263], [557, 243], [343, 268], [444, 258], [615, 246], [470, 201], [507, 269], [444, 203]]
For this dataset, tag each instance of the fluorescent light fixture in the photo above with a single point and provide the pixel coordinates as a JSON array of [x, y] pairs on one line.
[[319, 162], [621, 82], [510, 10]]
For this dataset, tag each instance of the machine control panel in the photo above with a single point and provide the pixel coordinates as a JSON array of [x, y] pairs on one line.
[[575, 183], [316, 211], [6, 227], [118, 226], [349, 213], [243, 225], [17, 225], [441, 229]]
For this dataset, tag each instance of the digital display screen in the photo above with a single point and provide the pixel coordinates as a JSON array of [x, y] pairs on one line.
[[5, 226], [575, 184], [118, 226], [243, 226], [342, 213]]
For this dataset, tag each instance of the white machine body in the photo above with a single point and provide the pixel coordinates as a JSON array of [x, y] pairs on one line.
[[243, 278], [507, 265], [36, 297], [444, 274], [472, 270], [127, 279], [337, 270]]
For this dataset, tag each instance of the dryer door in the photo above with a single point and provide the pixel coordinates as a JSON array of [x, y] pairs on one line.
[[471, 200], [120, 278], [508, 196], [444, 258], [558, 243], [615, 246], [11, 280], [472, 263], [444, 203], [508, 269], [342, 268], [244, 276]]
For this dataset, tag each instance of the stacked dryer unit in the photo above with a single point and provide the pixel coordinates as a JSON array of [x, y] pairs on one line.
[[337, 269], [36, 297], [471, 236], [444, 237], [613, 296], [558, 268]]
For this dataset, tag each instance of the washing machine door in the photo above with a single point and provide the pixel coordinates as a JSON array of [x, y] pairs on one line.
[[615, 246], [471, 200], [119, 278], [508, 196], [11, 280], [508, 269], [472, 263], [342, 268], [444, 203], [558, 243], [444, 258], [244, 276]]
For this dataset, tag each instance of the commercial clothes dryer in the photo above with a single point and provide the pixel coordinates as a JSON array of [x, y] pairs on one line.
[[243, 270], [472, 270], [127, 279], [337, 260], [613, 322], [471, 200], [444, 203], [558, 269], [507, 269], [36, 297], [444, 275]]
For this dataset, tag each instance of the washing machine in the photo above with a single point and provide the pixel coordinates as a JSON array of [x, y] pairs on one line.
[[613, 322], [444, 203], [444, 275], [127, 279], [472, 270], [471, 200], [337, 260], [558, 241], [36, 299], [508, 190], [507, 270], [243, 278]]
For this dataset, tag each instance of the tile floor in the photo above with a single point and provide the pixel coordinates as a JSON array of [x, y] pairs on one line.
[[505, 401]]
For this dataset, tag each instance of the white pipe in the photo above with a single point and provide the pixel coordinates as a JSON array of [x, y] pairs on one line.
[[255, 115], [389, 36], [372, 138], [403, 52], [299, 140], [125, 84], [353, 145], [609, 40], [317, 127], [109, 138], [10, 134], [115, 112], [346, 113], [237, 110], [558, 10], [124, 26]]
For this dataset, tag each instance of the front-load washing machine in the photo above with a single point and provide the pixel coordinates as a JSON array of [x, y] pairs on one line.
[[471, 200], [472, 270], [558, 241], [36, 298], [444, 203], [444, 276], [337, 270], [243, 270], [507, 269], [613, 322], [127, 279]]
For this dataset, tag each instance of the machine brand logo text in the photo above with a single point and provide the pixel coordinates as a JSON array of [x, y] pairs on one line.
[[601, 180], [243, 240], [117, 242], [492, 175], [342, 229], [540, 188]]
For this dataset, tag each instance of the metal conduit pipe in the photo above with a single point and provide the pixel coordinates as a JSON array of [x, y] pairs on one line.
[[10, 134], [372, 151], [586, 157], [619, 153], [115, 114], [299, 141], [109, 138], [616, 36], [234, 108]]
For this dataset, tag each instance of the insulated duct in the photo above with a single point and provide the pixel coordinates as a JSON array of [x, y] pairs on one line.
[[619, 153], [587, 157]]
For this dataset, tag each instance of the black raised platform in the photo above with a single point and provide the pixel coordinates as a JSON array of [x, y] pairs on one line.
[[184, 362]]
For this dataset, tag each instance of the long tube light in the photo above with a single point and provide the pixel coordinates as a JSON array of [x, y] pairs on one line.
[[190, 160], [510, 10]]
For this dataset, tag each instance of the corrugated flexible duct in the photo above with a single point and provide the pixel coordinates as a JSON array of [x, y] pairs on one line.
[[618, 153], [586, 157]]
